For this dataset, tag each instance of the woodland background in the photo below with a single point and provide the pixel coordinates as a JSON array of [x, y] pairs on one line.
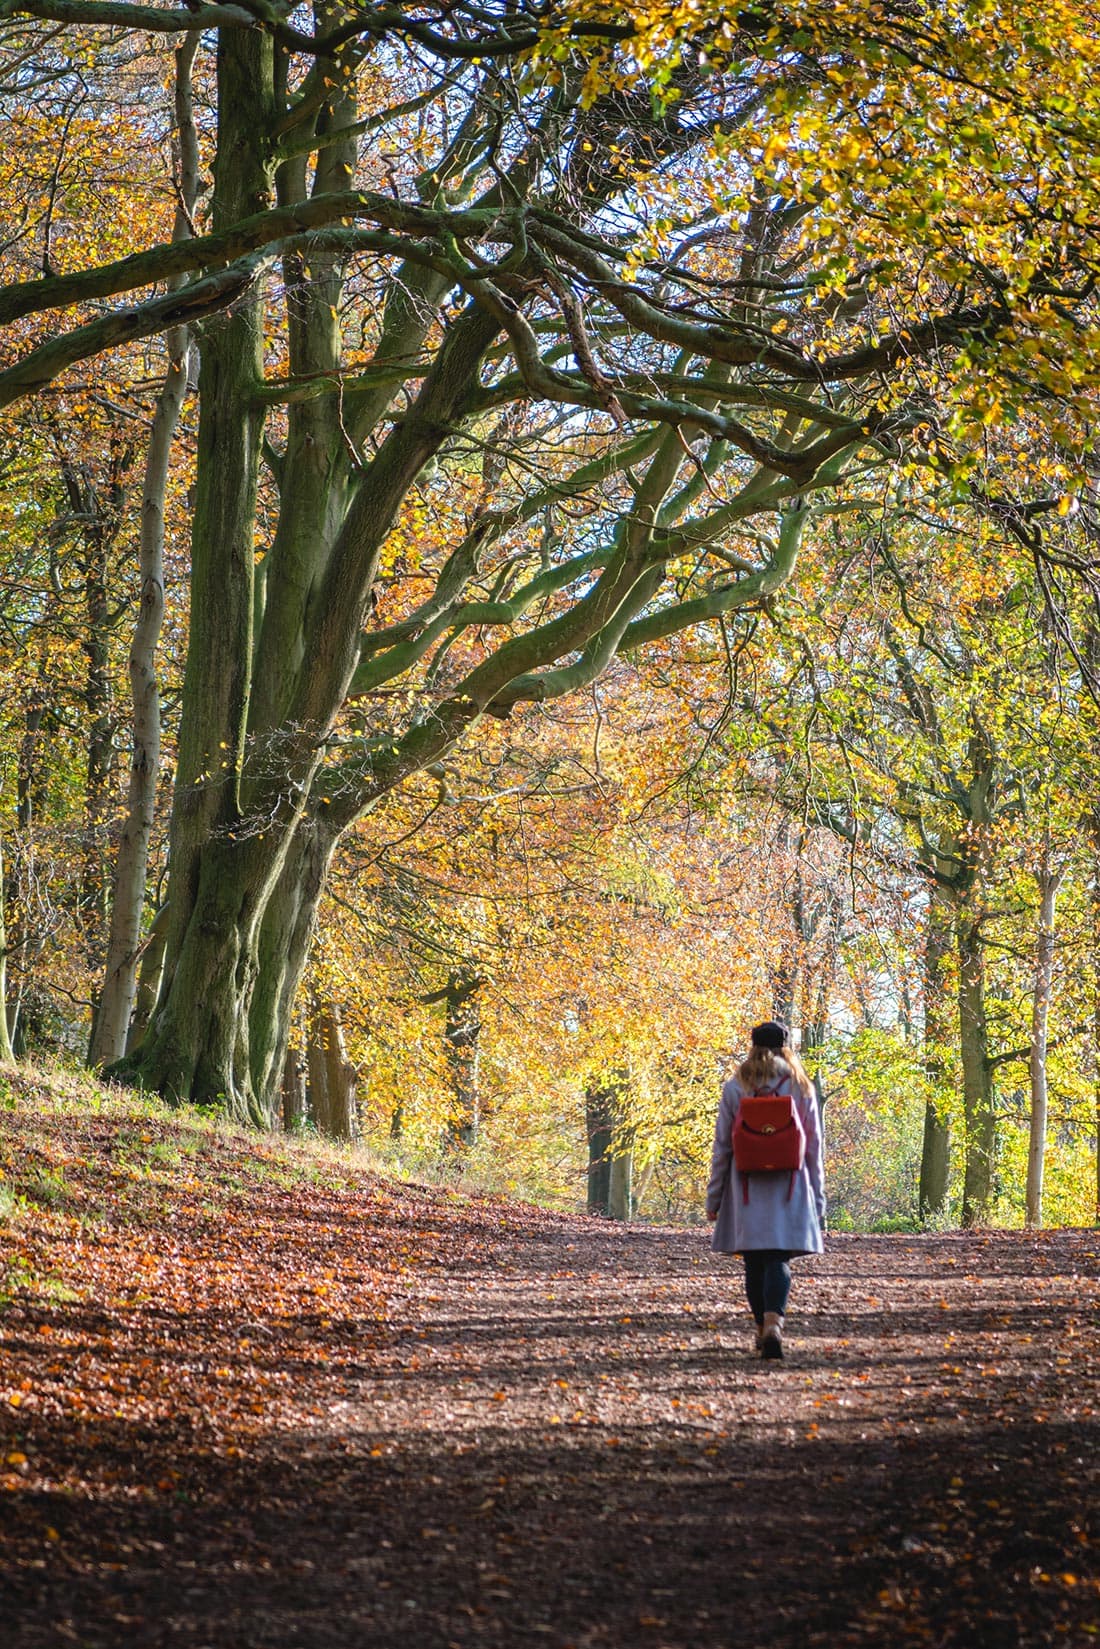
[[829, 752]]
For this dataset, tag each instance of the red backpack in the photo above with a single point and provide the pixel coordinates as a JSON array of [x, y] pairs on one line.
[[768, 1138]]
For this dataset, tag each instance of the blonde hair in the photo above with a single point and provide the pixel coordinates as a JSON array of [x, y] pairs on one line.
[[764, 1066]]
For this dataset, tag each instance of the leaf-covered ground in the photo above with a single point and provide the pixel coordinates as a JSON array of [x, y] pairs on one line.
[[250, 1396]]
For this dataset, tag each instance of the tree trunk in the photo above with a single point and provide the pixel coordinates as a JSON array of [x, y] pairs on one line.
[[642, 1183], [1049, 882], [236, 831], [600, 1103], [24, 936], [977, 1076], [150, 971], [620, 1199], [236, 913], [274, 642], [610, 1148], [283, 946], [462, 1033], [7, 1055], [935, 1162], [100, 722], [95, 492], [295, 1107], [116, 1001], [220, 864], [332, 1078]]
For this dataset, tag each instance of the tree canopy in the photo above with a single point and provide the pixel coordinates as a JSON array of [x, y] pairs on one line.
[[529, 338]]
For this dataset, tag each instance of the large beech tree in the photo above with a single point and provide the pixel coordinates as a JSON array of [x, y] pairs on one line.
[[561, 258]]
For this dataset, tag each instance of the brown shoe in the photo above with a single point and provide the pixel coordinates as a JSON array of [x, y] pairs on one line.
[[771, 1337]]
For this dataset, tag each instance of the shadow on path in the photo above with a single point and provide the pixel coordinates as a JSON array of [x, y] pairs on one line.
[[568, 1443]]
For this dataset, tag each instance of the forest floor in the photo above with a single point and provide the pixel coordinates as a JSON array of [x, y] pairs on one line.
[[253, 1396]]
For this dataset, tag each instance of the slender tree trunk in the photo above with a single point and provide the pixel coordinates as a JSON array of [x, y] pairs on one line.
[[620, 1192], [815, 1027], [101, 724], [935, 1159], [462, 1033], [785, 976], [7, 1055], [316, 1075], [24, 943], [642, 1183], [1049, 882], [29, 775], [116, 1001], [977, 1076], [150, 972]]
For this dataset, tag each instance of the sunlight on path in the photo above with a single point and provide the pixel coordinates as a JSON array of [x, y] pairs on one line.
[[928, 1438]]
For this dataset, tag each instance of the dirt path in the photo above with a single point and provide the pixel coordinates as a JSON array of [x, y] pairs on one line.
[[551, 1432]]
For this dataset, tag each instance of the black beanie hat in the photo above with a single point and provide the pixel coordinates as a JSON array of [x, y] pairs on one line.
[[771, 1034]]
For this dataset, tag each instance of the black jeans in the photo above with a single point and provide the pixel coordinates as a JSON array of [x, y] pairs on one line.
[[767, 1280]]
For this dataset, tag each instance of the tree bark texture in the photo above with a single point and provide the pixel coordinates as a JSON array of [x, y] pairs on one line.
[[197, 1044], [100, 720], [150, 972], [95, 493]]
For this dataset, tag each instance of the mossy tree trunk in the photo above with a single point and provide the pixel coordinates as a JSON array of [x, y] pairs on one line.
[[271, 651]]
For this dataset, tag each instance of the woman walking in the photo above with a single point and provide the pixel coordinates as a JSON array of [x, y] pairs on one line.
[[767, 1216]]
